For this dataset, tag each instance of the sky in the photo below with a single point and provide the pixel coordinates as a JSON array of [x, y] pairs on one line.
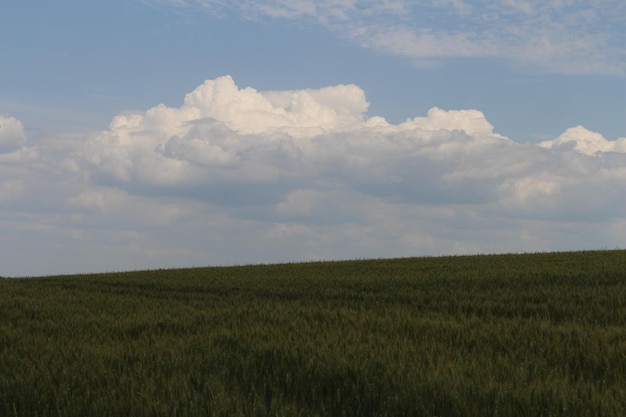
[[144, 134]]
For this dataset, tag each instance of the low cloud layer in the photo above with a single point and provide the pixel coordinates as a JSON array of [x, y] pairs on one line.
[[236, 175]]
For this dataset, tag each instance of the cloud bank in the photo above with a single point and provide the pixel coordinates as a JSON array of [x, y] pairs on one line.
[[236, 175], [571, 37]]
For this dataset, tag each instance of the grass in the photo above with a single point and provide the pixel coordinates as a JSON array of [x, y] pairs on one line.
[[499, 335]]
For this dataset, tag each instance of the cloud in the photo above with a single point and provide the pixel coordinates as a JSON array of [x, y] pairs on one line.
[[286, 150], [12, 135], [17, 161], [220, 133], [573, 37], [237, 175], [585, 142]]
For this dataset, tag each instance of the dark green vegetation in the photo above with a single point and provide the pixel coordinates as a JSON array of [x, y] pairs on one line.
[[507, 335]]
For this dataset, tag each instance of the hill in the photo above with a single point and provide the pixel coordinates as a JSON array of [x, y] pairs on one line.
[[494, 335]]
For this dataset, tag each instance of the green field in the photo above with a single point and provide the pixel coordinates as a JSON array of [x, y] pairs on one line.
[[498, 335]]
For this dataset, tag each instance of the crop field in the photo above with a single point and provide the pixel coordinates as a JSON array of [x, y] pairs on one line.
[[493, 335]]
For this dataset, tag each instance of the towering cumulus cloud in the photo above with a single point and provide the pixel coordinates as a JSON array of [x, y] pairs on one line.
[[239, 175], [225, 144], [221, 132], [224, 140]]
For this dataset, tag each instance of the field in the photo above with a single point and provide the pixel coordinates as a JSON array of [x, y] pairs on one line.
[[498, 335]]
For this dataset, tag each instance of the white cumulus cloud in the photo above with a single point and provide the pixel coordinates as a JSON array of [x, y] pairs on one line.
[[231, 145], [220, 129], [12, 135], [237, 175], [586, 142]]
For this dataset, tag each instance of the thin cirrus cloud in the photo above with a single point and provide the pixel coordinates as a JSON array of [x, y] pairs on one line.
[[237, 175], [573, 37]]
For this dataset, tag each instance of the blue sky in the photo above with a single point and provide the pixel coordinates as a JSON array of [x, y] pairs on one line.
[[302, 149], [75, 64]]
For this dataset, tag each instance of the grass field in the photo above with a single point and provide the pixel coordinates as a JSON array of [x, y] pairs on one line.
[[498, 335]]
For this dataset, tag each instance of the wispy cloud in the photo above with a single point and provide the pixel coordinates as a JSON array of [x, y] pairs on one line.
[[572, 37]]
